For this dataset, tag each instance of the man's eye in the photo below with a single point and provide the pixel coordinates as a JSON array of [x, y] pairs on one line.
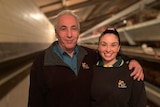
[[74, 28], [63, 28]]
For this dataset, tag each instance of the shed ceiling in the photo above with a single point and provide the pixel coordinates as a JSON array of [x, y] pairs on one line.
[[92, 13]]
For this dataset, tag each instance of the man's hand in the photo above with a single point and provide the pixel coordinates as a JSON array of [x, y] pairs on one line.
[[138, 71]]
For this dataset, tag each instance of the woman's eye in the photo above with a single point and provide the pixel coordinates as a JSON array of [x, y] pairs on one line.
[[115, 44], [103, 44]]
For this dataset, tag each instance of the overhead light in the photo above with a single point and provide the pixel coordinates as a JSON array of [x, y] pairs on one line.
[[124, 21]]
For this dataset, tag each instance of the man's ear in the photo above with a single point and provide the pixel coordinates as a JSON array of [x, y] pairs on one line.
[[56, 33]]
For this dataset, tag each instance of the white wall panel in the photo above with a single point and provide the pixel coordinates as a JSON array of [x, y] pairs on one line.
[[22, 21]]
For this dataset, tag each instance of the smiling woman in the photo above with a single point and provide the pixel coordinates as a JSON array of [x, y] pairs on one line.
[[111, 80]]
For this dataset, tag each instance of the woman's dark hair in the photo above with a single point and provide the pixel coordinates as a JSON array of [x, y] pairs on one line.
[[112, 31]]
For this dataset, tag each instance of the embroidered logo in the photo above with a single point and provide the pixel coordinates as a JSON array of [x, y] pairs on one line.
[[121, 84], [85, 66]]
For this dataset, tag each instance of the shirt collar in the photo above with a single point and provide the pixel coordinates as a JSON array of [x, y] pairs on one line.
[[119, 63], [60, 52]]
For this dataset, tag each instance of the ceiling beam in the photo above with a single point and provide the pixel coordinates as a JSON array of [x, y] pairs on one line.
[[129, 10], [50, 4], [73, 7]]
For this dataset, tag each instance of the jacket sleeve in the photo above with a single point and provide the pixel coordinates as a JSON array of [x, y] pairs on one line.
[[138, 95], [36, 94]]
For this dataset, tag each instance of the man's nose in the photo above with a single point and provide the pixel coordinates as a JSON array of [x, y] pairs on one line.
[[69, 33]]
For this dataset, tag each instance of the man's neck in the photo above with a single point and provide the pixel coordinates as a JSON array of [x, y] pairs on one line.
[[70, 52]]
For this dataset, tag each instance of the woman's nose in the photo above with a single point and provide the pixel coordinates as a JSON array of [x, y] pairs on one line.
[[108, 48]]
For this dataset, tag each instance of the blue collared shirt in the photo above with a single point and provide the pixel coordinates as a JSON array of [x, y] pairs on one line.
[[70, 61]]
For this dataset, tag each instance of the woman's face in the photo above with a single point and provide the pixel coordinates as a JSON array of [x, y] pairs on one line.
[[108, 48]]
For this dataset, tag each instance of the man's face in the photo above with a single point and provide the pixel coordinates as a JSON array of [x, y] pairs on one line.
[[67, 32]]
